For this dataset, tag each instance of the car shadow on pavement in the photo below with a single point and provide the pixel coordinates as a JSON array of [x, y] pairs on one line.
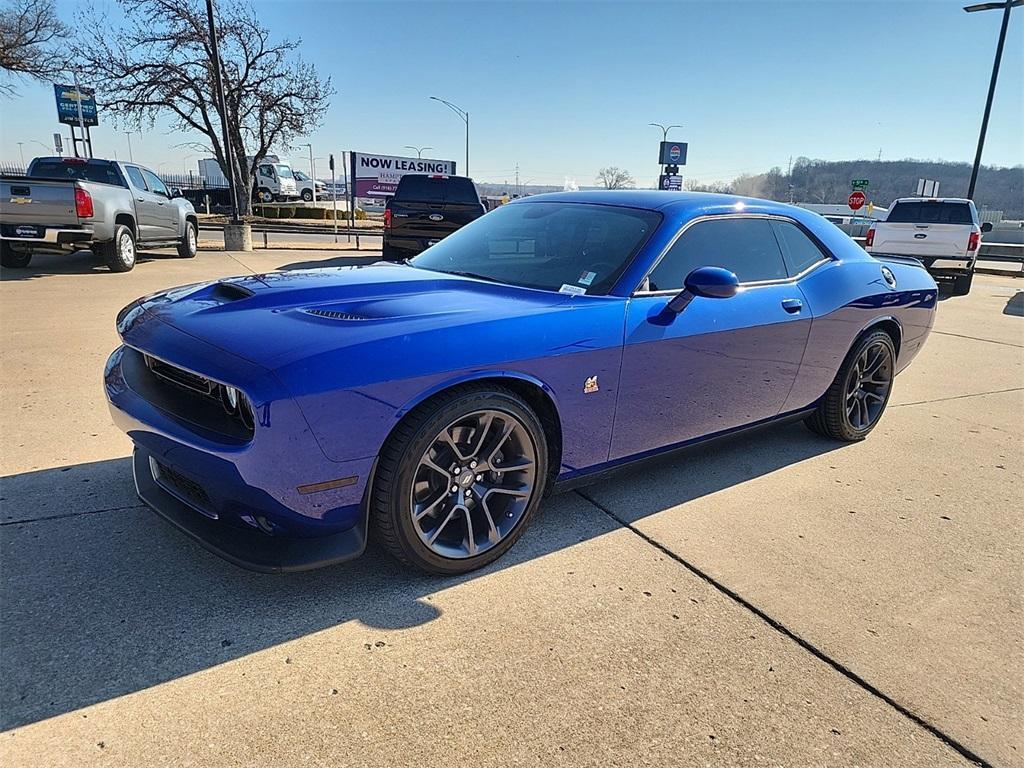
[[1015, 306], [107, 599], [77, 263]]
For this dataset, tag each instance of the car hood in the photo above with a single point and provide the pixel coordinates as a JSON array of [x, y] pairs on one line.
[[277, 318]]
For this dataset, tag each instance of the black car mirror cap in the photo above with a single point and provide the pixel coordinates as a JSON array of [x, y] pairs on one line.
[[986, 226]]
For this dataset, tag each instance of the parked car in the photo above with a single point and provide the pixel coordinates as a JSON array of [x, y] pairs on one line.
[[307, 186], [281, 419], [425, 209], [65, 204], [943, 233]]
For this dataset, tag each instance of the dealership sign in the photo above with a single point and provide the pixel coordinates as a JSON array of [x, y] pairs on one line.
[[378, 175], [67, 104], [672, 153]]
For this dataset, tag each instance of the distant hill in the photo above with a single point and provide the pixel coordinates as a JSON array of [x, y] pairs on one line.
[[828, 181]]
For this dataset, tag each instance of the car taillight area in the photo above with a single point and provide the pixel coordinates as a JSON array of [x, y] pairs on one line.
[[387, 218], [870, 239], [83, 204], [209, 405], [973, 241]]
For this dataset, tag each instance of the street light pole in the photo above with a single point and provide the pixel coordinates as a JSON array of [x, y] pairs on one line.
[[21, 151], [219, 85], [465, 118], [420, 151], [1006, 5], [664, 137], [312, 171], [131, 157]]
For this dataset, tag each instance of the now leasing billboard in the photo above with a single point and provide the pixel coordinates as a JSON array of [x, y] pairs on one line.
[[378, 175]]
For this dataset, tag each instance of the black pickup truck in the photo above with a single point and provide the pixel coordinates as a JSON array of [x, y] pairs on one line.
[[424, 209]]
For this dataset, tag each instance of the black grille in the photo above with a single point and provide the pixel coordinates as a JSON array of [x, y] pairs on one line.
[[179, 376], [335, 315], [184, 486]]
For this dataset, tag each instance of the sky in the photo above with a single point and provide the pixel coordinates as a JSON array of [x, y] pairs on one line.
[[565, 88]]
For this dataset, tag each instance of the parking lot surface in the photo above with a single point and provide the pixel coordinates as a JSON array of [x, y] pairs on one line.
[[779, 599]]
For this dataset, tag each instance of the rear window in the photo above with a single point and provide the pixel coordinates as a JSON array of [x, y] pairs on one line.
[[103, 172], [432, 189], [930, 212]]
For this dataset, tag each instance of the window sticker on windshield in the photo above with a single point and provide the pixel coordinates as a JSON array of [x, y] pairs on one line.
[[587, 278], [572, 290]]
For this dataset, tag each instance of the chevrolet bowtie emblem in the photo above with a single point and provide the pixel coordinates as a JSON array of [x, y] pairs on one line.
[[21, 200]]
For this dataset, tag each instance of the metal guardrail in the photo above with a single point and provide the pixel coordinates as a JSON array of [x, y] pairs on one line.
[[301, 229]]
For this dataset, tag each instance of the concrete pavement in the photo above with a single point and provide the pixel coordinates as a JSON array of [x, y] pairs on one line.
[[777, 600]]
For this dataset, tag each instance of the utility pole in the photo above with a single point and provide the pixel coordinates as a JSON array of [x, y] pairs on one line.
[[1006, 5]]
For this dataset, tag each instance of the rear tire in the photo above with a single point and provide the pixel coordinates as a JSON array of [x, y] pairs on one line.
[[13, 259], [119, 253], [857, 398], [189, 244], [489, 429], [962, 284]]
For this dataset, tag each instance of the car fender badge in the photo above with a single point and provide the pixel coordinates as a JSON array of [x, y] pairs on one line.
[[590, 385]]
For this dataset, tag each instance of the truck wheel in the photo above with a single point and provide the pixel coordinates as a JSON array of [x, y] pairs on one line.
[[855, 402], [962, 284], [307, 195], [188, 246], [14, 259], [265, 195], [459, 479], [119, 253]]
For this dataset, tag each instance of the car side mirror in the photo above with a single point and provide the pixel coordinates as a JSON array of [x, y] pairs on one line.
[[175, 192], [986, 227], [708, 282]]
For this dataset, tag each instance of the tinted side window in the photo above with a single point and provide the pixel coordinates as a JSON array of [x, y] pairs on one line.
[[926, 212], [154, 183], [745, 246], [136, 176], [799, 251], [98, 171]]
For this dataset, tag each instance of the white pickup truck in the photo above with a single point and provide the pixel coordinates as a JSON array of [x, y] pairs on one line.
[[943, 233]]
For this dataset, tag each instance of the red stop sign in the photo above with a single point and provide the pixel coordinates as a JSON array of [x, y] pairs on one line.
[[857, 200]]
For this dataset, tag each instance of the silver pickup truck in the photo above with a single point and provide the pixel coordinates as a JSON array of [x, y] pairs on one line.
[[65, 204]]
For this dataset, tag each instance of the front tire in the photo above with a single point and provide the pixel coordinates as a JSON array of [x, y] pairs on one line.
[[856, 400], [189, 245], [265, 196], [13, 259], [307, 195], [459, 480], [119, 253]]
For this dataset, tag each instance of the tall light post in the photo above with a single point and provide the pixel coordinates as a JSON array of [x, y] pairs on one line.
[[21, 151], [312, 170], [664, 137], [128, 134], [421, 150], [1006, 5], [465, 118], [218, 82]]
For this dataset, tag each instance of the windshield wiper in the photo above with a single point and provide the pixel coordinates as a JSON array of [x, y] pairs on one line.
[[471, 274]]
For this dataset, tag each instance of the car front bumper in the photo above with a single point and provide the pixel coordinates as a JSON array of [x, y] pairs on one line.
[[248, 548]]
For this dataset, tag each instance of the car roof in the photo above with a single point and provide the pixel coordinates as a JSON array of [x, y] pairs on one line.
[[675, 202], [919, 199]]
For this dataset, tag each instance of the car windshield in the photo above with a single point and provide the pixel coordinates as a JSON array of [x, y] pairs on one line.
[[284, 171], [99, 171], [571, 247], [930, 212]]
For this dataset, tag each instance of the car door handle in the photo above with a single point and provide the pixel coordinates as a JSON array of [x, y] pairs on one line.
[[140, 199], [793, 306]]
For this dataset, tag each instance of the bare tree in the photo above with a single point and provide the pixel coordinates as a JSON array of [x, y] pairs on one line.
[[615, 178], [29, 32], [156, 61]]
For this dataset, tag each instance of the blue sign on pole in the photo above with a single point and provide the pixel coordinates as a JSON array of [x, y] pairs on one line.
[[67, 104]]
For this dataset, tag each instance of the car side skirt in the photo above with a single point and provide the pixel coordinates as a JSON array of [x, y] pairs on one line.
[[568, 482]]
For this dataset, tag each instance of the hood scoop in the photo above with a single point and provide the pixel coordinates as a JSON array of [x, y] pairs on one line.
[[226, 291]]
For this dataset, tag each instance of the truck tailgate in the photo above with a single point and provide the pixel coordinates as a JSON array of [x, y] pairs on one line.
[[943, 240], [431, 220], [37, 201]]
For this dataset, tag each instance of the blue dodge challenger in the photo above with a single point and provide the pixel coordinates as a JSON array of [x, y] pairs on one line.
[[281, 419]]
